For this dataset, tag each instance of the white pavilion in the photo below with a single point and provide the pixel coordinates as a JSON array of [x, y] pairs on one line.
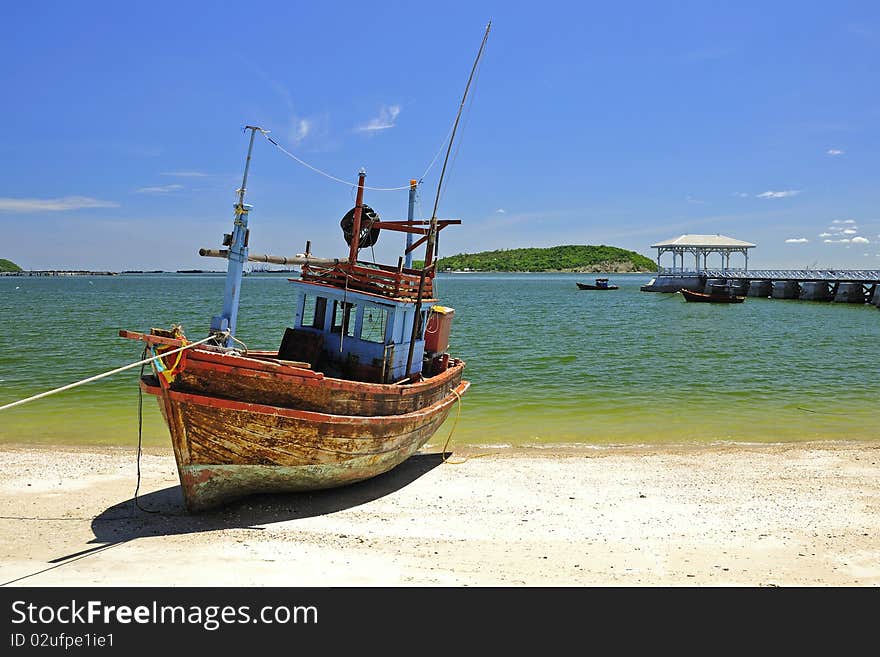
[[700, 247]]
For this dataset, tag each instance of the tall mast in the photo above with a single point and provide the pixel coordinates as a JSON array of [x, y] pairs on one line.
[[432, 229], [413, 184], [356, 227], [237, 242]]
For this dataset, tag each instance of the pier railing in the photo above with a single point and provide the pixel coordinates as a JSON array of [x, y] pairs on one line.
[[854, 275]]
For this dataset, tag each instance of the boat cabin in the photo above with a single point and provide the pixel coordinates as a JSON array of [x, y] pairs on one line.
[[355, 335], [601, 282]]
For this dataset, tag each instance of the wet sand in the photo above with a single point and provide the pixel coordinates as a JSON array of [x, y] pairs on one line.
[[805, 514]]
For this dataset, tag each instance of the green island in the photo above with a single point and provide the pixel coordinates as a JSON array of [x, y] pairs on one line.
[[572, 257], [8, 265]]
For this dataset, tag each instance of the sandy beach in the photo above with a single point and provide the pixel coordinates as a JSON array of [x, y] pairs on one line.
[[803, 514]]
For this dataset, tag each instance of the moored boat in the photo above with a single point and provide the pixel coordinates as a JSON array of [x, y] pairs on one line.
[[713, 297], [600, 284], [361, 380]]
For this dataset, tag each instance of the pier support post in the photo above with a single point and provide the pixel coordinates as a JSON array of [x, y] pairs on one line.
[[760, 289], [785, 290], [815, 291], [850, 293]]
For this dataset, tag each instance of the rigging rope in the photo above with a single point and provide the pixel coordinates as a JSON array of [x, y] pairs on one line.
[[324, 173], [137, 487], [111, 372], [444, 453], [281, 148]]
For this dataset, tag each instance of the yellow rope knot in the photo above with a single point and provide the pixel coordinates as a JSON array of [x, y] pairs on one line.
[[162, 368]]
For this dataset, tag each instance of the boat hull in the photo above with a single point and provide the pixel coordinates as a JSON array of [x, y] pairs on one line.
[[227, 449], [267, 381], [588, 286], [701, 297]]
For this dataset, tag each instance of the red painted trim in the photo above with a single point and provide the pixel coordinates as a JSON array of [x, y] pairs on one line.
[[310, 416], [229, 365]]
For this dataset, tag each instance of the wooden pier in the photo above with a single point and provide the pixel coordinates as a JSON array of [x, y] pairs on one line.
[[838, 285]]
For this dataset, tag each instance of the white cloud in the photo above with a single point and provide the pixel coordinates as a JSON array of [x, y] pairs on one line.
[[860, 240], [500, 210], [843, 221], [834, 151], [160, 189], [184, 174], [387, 116], [824, 234], [796, 240], [52, 204], [691, 199], [844, 240], [301, 129], [741, 194], [849, 231], [783, 194]]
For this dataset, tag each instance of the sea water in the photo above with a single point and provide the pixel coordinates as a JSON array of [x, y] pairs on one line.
[[549, 364]]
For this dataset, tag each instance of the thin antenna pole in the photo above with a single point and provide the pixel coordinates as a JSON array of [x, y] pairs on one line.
[[247, 163], [457, 119], [432, 230]]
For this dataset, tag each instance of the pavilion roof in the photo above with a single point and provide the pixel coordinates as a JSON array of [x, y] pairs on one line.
[[705, 241]]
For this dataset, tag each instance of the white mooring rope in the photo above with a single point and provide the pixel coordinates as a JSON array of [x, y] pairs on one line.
[[111, 372]]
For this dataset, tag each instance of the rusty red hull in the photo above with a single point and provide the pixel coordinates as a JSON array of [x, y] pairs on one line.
[[265, 380], [226, 449]]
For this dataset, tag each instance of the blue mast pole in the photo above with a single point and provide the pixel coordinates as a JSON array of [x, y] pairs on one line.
[[238, 255], [409, 216]]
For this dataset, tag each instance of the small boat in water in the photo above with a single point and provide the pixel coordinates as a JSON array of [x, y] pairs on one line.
[[361, 380], [719, 294], [600, 284]]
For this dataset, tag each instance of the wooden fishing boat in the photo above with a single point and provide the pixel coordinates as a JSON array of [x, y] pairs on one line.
[[361, 380], [714, 297], [600, 284]]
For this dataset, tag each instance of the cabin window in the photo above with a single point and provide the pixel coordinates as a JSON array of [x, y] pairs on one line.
[[314, 309], [344, 314], [374, 324]]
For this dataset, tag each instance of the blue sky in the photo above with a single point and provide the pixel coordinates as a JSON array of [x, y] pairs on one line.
[[618, 123]]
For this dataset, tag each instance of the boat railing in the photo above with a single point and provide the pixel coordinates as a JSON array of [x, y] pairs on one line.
[[399, 283]]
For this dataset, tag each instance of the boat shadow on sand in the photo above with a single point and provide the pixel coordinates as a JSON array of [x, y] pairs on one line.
[[167, 515]]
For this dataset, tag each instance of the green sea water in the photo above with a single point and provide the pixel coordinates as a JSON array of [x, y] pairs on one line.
[[549, 364]]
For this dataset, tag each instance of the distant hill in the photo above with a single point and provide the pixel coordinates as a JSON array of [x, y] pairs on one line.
[[8, 265], [575, 257]]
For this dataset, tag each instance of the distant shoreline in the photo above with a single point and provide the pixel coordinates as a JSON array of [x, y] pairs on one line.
[[82, 272], [59, 272]]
